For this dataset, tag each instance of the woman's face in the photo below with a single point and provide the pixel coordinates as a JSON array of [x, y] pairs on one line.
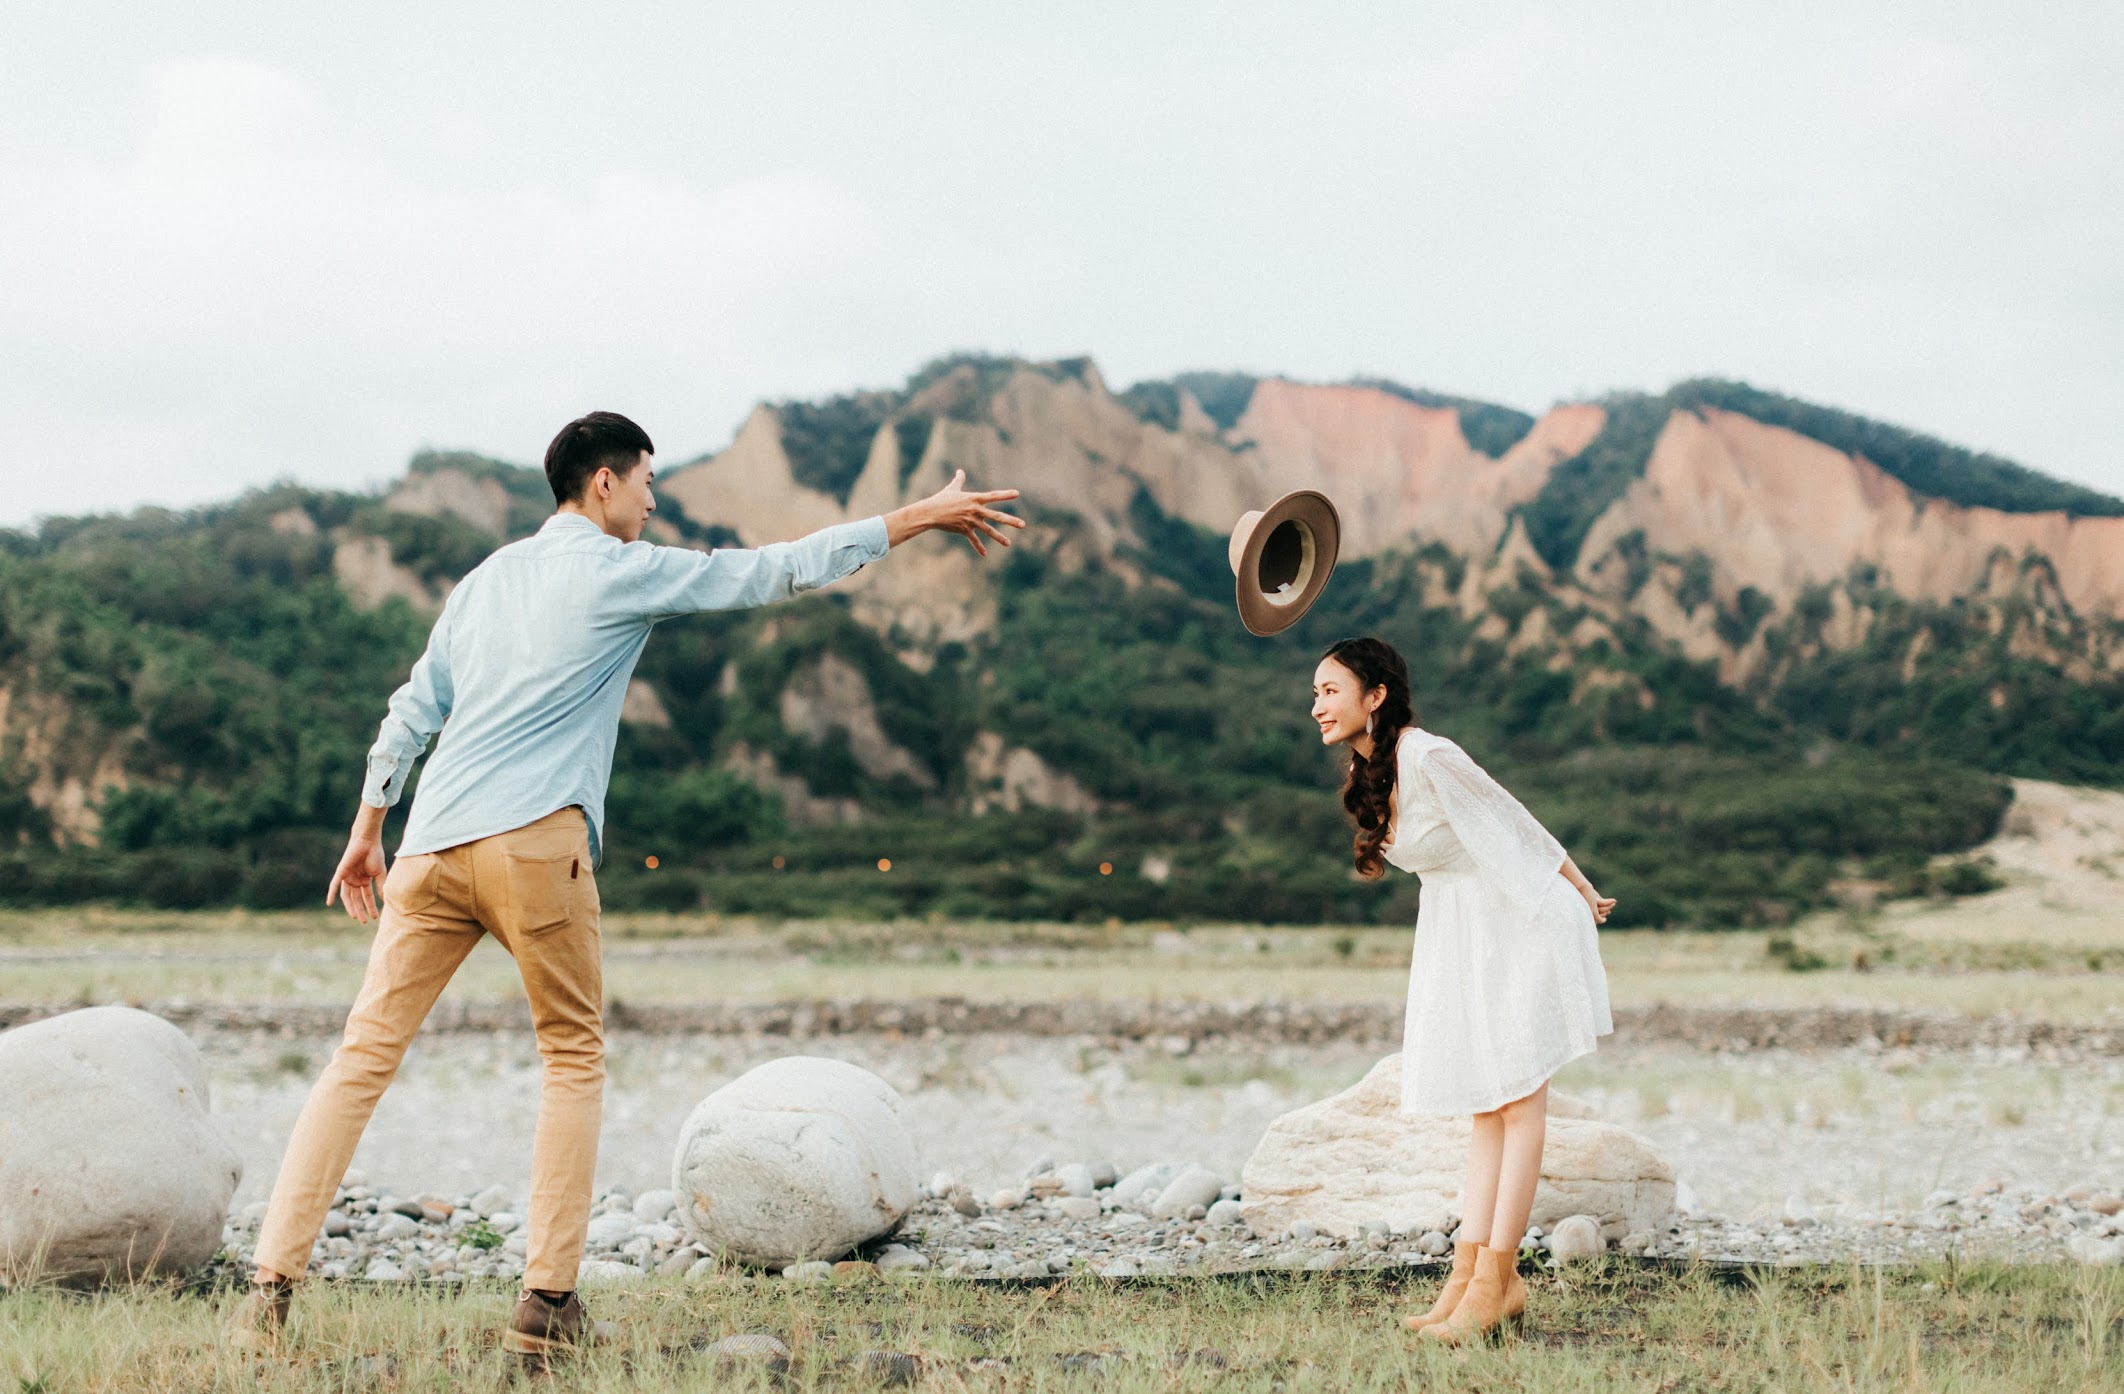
[[1340, 702]]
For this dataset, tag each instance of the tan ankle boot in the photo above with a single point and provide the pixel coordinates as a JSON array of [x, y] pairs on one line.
[[261, 1318], [1495, 1297], [1456, 1284]]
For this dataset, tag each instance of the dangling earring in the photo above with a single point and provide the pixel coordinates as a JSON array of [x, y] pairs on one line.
[[1371, 719]]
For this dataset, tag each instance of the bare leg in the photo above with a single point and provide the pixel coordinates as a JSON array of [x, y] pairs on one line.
[[1524, 1127], [1478, 1193]]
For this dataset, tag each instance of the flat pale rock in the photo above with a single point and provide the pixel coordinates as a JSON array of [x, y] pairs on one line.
[[799, 1158], [110, 1165], [1356, 1157]]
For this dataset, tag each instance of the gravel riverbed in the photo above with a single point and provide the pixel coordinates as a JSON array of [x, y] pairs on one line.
[[1869, 1151]]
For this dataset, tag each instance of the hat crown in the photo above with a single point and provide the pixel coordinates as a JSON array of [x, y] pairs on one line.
[[1281, 558]]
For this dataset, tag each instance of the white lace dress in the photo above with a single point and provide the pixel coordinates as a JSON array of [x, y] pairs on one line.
[[1505, 985]]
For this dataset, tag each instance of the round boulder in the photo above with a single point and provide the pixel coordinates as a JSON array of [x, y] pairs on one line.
[[110, 1165], [800, 1158]]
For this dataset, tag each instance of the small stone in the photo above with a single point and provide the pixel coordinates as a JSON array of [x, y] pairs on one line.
[[898, 1258], [395, 1227], [1103, 1175], [382, 1270], [2104, 1204], [1117, 1268], [1639, 1241], [1304, 1230], [610, 1230], [1076, 1179], [679, 1263], [1225, 1213], [962, 1200], [654, 1207], [490, 1202], [752, 1347], [1195, 1186], [436, 1212], [1040, 1167], [604, 1271], [1433, 1243], [505, 1222], [811, 1271], [2096, 1252], [1196, 1213], [1144, 1183], [853, 1270], [1045, 1187], [338, 1224], [1126, 1219], [1078, 1208], [1325, 1261], [1577, 1239], [943, 1183], [1009, 1198], [888, 1367], [411, 1209]]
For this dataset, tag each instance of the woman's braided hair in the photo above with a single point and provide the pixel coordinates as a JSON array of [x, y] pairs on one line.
[[1368, 793]]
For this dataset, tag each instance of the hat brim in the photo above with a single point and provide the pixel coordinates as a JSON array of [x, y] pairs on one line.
[[1298, 537]]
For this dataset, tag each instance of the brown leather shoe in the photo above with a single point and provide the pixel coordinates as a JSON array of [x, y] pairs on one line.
[[540, 1329], [1495, 1298], [260, 1319], [1456, 1283]]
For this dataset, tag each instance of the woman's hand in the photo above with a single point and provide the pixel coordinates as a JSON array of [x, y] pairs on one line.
[[1598, 904]]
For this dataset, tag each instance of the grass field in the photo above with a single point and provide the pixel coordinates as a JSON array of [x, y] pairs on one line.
[[1954, 959], [1940, 1326]]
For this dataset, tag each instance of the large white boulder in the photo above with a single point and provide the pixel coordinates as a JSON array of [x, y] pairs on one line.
[[1356, 1157], [110, 1165], [800, 1158]]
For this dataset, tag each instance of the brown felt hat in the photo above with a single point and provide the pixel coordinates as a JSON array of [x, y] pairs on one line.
[[1282, 556]]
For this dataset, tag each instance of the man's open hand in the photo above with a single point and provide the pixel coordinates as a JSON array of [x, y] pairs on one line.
[[954, 508], [361, 866]]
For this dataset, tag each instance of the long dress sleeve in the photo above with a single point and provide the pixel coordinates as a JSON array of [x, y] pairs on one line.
[[1508, 844]]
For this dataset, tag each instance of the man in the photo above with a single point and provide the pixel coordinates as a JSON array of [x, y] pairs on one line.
[[523, 676]]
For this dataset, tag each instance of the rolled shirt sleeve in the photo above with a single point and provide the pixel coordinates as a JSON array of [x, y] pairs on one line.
[[417, 711], [675, 581], [1509, 845]]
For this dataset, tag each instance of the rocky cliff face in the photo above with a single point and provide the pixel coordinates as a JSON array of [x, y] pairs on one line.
[[1692, 528], [1731, 527]]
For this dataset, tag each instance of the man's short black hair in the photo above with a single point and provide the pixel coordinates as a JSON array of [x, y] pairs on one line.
[[589, 444]]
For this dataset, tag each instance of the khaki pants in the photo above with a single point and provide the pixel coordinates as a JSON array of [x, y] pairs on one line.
[[532, 890]]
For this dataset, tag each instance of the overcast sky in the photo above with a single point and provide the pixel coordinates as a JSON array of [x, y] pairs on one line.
[[243, 242]]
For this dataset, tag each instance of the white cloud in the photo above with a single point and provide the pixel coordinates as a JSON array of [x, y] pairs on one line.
[[253, 294]]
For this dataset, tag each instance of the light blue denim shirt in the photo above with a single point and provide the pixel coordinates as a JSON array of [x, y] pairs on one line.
[[529, 662]]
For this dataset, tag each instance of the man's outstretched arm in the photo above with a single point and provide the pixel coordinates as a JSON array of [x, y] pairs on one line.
[[675, 581], [418, 710]]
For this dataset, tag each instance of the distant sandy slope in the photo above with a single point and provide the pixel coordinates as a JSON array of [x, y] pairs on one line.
[[2061, 850]]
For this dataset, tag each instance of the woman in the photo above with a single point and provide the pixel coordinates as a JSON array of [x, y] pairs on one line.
[[1505, 985]]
